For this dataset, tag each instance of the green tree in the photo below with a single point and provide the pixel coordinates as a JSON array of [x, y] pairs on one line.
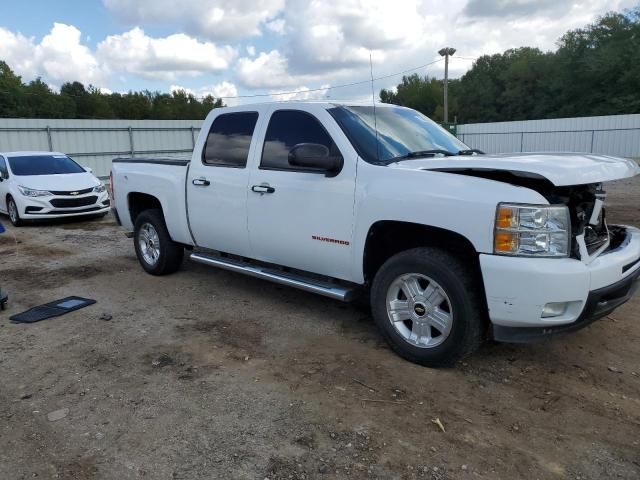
[[11, 92], [42, 102], [420, 93]]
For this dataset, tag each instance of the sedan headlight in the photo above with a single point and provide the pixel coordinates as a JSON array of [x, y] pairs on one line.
[[100, 189], [532, 230], [29, 192]]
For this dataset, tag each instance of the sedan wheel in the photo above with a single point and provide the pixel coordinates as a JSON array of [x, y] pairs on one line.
[[14, 216]]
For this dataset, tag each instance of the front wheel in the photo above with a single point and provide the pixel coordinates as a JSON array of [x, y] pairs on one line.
[[14, 216], [157, 253], [428, 307]]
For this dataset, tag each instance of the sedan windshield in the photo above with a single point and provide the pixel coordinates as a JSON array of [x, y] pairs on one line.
[[394, 133], [43, 165]]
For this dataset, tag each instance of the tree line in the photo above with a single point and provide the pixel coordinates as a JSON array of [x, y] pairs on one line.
[[37, 100], [594, 71]]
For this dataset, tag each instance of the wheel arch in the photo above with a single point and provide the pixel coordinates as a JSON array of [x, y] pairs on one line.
[[138, 202], [8, 196], [386, 238]]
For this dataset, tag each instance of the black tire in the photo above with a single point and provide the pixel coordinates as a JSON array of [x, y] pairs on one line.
[[170, 254], [464, 293], [15, 219]]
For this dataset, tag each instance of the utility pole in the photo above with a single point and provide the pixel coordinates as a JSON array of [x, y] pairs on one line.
[[446, 52]]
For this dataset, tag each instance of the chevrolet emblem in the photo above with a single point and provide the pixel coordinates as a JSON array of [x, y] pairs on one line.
[[74, 193]]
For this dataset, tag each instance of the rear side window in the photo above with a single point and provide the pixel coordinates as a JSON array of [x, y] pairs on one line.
[[288, 128], [229, 139], [4, 173]]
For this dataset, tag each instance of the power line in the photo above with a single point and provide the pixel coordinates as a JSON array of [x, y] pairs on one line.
[[330, 87], [270, 94]]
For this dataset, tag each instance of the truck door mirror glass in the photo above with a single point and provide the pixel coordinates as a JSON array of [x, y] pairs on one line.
[[315, 156]]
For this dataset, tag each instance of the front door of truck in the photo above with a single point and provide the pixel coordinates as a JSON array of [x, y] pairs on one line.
[[298, 217], [217, 184]]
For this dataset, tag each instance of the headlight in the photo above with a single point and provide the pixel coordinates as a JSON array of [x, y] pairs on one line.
[[29, 192], [100, 189], [532, 230]]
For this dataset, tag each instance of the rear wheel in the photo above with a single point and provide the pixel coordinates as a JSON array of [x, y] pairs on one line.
[[157, 253], [428, 306], [14, 215]]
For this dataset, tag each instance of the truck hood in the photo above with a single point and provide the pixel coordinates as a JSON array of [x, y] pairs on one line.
[[561, 169], [63, 182]]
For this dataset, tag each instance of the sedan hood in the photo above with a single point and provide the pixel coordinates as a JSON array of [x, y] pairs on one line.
[[561, 169], [63, 182]]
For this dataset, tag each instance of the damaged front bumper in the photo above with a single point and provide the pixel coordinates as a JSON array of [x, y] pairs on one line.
[[518, 289]]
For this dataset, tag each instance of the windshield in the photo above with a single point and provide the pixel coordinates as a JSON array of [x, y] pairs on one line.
[[400, 132], [43, 165]]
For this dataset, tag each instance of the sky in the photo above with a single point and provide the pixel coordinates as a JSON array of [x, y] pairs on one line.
[[231, 48]]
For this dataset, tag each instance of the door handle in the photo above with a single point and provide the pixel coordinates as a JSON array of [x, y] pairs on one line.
[[263, 189], [201, 182]]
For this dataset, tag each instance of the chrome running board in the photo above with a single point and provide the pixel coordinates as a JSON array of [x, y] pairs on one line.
[[327, 289]]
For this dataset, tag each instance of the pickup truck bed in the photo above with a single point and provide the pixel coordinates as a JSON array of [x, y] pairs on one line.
[[162, 179]]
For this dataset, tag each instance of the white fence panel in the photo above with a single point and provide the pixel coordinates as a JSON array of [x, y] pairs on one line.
[[617, 135], [94, 143]]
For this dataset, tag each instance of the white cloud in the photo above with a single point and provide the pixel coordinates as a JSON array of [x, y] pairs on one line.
[[59, 57], [332, 35], [267, 70], [163, 58], [215, 19], [18, 51], [222, 89], [219, 90], [277, 26], [301, 93], [251, 50]]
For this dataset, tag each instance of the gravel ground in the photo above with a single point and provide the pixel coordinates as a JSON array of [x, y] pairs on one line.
[[209, 374]]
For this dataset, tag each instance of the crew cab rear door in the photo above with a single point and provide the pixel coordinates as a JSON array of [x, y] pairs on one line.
[[217, 182], [301, 218]]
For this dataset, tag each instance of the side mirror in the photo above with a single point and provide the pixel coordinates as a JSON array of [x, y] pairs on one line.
[[88, 169], [315, 156]]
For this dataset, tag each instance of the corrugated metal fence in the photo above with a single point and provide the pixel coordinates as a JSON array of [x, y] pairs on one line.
[[94, 143], [617, 135]]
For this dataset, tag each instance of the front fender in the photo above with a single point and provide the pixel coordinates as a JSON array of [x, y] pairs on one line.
[[461, 204]]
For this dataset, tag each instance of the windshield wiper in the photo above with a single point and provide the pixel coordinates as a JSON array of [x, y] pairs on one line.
[[470, 151], [422, 153]]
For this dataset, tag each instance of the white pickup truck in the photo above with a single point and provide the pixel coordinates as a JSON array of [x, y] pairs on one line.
[[450, 245]]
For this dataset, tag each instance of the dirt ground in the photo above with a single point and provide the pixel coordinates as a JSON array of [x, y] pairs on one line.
[[208, 374]]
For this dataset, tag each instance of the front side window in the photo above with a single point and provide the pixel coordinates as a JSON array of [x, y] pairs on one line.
[[288, 128], [384, 134], [43, 165], [229, 140]]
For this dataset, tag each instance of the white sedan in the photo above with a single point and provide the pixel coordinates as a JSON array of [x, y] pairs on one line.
[[44, 185]]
